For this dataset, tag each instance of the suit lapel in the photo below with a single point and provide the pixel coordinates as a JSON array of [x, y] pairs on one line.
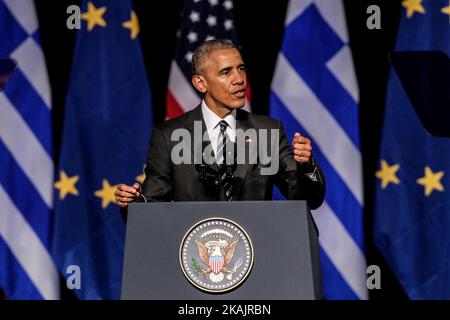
[[240, 173], [195, 115], [200, 145]]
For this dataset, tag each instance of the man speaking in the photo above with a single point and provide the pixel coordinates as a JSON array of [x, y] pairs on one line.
[[242, 155]]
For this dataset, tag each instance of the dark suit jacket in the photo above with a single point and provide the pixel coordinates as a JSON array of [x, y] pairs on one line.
[[166, 181]]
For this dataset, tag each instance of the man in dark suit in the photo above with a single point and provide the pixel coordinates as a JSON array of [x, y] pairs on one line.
[[219, 74]]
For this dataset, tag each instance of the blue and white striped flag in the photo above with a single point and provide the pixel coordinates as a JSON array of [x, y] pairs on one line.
[[314, 91], [27, 270]]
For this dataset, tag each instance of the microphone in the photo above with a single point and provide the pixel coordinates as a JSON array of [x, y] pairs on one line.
[[207, 173], [211, 177]]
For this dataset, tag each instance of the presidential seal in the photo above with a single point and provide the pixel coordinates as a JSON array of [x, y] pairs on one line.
[[216, 255]]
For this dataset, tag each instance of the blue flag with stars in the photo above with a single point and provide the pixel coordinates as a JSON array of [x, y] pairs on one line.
[[412, 211], [107, 127]]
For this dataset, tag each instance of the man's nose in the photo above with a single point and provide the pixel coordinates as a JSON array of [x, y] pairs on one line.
[[239, 78]]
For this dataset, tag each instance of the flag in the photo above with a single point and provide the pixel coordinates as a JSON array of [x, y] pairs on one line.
[[27, 270], [314, 92], [201, 20], [412, 207], [106, 133]]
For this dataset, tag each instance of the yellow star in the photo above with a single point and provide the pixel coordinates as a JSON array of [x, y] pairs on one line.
[[141, 178], [66, 185], [431, 181], [387, 174], [133, 25], [413, 6], [106, 193], [94, 16], [446, 10]]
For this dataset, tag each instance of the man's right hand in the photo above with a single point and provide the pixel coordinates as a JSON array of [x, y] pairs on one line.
[[127, 194]]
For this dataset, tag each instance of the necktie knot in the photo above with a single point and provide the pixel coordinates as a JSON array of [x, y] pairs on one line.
[[223, 126]]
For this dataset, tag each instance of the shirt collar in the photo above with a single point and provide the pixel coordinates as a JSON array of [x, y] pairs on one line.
[[212, 119]]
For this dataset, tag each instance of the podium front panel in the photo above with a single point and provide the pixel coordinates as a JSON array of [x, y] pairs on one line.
[[286, 252]]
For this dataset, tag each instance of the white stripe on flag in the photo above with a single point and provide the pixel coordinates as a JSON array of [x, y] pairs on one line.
[[31, 62], [341, 66], [296, 8], [26, 150], [25, 14], [28, 248], [342, 250], [332, 140], [181, 89], [333, 13]]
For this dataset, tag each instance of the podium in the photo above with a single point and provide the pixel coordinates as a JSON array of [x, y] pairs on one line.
[[284, 242]]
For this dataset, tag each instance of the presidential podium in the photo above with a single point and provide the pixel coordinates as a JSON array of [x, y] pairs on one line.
[[174, 249]]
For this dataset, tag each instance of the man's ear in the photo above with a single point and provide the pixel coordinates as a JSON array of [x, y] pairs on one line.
[[199, 83]]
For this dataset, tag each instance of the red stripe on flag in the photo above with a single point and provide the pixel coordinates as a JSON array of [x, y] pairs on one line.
[[248, 92], [173, 109]]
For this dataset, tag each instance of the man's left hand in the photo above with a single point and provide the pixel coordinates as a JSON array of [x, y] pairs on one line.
[[302, 149]]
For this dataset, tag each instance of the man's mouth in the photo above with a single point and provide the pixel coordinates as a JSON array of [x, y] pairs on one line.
[[239, 93]]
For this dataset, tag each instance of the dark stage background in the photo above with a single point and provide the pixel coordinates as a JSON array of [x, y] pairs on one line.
[[260, 28]]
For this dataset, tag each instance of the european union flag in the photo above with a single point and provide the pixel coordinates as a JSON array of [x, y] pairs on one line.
[[106, 132], [412, 212]]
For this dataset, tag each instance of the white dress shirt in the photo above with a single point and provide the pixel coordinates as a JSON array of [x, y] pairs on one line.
[[212, 125]]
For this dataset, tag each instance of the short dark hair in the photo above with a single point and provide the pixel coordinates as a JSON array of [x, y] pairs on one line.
[[206, 48]]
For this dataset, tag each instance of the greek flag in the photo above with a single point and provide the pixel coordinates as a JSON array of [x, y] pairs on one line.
[[314, 92], [27, 270]]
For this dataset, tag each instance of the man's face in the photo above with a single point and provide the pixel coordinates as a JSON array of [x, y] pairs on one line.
[[224, 79]]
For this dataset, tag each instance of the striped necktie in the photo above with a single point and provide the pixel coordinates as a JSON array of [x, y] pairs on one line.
[[221, 142], [220, 157]]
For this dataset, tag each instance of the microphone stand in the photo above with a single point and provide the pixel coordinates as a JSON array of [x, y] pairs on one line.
[[212, 178], [209, 176]]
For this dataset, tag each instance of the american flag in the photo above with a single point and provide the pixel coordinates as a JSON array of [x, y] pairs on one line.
[[201, 20]]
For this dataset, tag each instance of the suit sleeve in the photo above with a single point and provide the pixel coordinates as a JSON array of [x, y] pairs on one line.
[[292, 178], [158, 170]]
